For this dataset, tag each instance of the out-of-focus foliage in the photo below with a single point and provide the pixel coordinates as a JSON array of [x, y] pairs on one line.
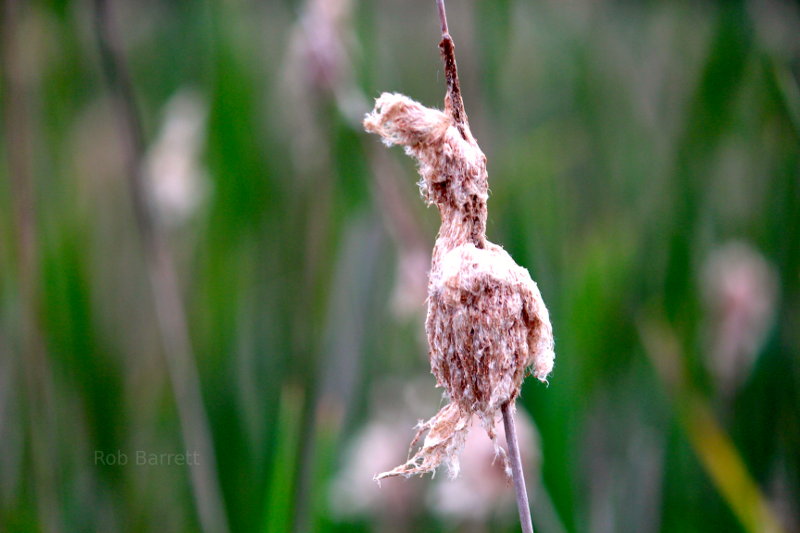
[[644, 164]]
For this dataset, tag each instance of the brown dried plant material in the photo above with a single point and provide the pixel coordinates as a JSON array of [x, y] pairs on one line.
[[486, 322]]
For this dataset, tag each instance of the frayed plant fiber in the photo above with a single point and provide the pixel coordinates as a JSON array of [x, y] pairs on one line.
[[486, 323]]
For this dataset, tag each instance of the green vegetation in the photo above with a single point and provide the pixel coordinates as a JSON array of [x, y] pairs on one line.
[[644, 165]]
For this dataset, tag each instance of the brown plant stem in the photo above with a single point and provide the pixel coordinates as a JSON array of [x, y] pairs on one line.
[[167, 303], [34, 362], [515, 458], [481, 340], [453, 98]]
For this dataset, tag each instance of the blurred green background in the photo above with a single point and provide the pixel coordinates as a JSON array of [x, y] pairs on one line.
[[245, 279]]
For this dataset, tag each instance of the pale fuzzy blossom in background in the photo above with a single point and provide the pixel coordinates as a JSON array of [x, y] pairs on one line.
[[483, 488], [481, 492], [177, 182], [322, 42], [409, 292], [379, 444], [740, 290], [318, 68]]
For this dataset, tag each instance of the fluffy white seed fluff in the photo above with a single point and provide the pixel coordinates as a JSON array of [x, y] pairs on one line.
[[486, 324]]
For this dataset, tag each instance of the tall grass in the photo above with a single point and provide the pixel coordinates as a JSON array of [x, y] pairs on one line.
[[627, 144]]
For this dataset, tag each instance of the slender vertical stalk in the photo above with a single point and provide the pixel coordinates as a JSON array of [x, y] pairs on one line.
[[516, 469], [34, 362], [454, 104], [167, 303], [456, 110]]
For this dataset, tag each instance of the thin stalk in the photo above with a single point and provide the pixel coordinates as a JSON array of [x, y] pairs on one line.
[[442, 16], [453, 98], [33, 358], [456, 110], [167, 304], [516, 470], [455, 106]]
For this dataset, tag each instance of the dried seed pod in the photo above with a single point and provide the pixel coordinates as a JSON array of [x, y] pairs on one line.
[[486, 320]]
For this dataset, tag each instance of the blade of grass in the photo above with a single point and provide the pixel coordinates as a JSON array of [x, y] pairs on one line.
[[714, 448], [279, 506]]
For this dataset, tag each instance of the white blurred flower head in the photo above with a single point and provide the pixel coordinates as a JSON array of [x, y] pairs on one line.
[[411, 285], [483, 487], [481, 491], [355, 493], [740, 293], [178, 183]]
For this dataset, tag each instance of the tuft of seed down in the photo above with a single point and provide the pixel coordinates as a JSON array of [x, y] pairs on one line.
[[486, 323]]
